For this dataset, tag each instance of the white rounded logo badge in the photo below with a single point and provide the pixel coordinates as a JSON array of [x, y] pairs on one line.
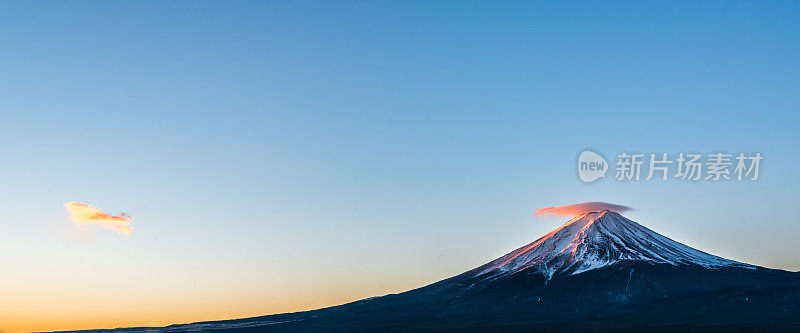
[[591, 166]]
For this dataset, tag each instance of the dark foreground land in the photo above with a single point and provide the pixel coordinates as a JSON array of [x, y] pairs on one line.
[[628, 296]]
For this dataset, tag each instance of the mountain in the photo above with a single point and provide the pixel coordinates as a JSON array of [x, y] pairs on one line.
[[599, 271], [598, 239]]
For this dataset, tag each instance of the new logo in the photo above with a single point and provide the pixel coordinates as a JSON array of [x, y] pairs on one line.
[[591, 166]]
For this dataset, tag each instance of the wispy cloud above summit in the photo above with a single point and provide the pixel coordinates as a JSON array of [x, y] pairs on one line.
[[81, 213], [577, 209]]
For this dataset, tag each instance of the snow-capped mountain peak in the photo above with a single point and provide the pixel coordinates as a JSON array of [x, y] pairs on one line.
[[597, 239]]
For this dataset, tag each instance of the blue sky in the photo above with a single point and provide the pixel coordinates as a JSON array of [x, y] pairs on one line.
[[279, 156]]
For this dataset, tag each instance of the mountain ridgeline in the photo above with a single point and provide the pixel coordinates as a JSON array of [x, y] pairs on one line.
[[599, 271]]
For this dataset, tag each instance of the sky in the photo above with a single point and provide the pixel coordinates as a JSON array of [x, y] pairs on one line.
[[278, 156]]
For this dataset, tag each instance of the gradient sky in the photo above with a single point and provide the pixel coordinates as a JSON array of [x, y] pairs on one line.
[[279, 156]]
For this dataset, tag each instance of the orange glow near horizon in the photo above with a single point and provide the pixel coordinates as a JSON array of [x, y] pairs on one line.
[[46, 311], [81, 213]]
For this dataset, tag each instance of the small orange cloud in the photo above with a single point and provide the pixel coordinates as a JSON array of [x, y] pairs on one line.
[[81, 213], [577, 209]]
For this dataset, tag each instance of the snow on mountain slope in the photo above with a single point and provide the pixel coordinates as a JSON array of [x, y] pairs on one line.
[[597, 239]]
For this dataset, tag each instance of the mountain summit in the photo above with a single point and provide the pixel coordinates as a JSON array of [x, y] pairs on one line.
[[599, 271], [598, 239]]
